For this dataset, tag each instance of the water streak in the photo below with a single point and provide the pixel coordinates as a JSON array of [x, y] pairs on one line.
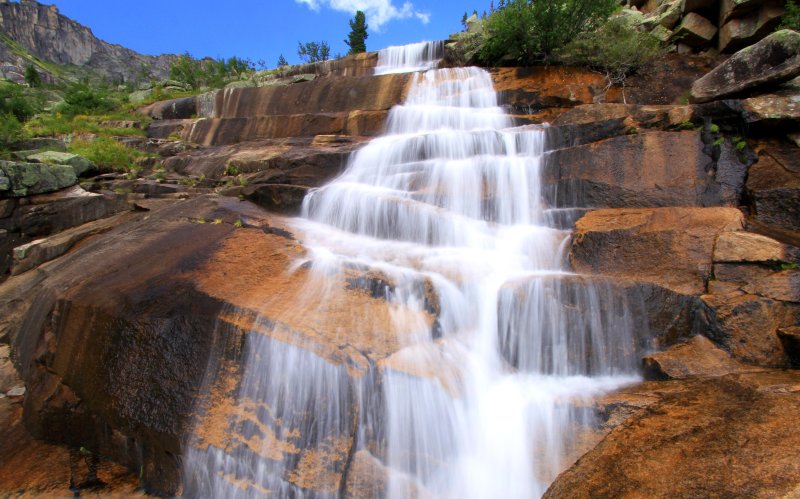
[[488, 345]]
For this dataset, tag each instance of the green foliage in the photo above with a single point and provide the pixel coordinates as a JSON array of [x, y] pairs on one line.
[[282, 61], [214, 73], [615, 48], [13, 100], [230, 169], [791, 17], [10, 130], [107, 154], [32, 76], [713, 128], [526, 31], [313, 51], [356, 39], [789, 266], [80, 98]]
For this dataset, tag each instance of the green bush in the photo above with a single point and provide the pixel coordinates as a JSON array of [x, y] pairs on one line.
[[14, 101], [527, 31], [616, 48], [791, 18], [10, 130], [80, 98], [107, 154], [313, 51], [213, 73]]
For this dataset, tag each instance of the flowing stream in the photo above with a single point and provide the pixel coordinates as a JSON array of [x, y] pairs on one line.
[[496, 346]]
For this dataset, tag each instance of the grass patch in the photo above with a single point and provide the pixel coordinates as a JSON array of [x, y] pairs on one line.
[[108, 154]]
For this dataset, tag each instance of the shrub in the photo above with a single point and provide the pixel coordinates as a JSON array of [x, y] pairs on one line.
[[208, 72], [32, 76], [528, 31], [14, 101], [80, 98], [791, 18], [107, 154], [616, 48], [313, 51], [10, 130]]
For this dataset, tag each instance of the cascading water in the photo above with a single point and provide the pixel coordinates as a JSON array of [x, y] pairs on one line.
[[478, 402]]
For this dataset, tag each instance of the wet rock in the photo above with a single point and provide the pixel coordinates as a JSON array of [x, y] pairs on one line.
[[80, 164], [773, 60], [633, 243], [773, 186], [695, 30], [728, 436], [25, 179], [645, 169], [698, 357], [743, 31], [280, 198], [48, 213], [39, 251]]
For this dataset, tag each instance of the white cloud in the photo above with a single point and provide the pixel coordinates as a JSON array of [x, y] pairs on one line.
[[378, 12]]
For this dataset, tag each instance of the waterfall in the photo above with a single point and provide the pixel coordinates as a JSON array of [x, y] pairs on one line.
[[406, 58], [491, 345]]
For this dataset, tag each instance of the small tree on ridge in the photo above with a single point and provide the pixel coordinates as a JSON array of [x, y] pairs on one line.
[[356, 40]]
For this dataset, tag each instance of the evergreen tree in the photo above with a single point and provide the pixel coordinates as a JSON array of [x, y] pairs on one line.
[[358, 34], [282, 61], [313, 51], [32, 76], [464, 21]]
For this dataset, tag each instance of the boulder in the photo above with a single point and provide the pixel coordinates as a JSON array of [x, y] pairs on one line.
[[773, 186], [80, 164], [737, 8], [694, 30], [747, 326], [770, 109], [773, 60], [24, 179], [695, 358], [645, 169], [280, 198], [730, 436], [667, 15], [672, 247], [743, 31]]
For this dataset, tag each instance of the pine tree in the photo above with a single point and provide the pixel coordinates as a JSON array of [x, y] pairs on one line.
[[358, 34], [464, 21], [282, 61], [32, 76]]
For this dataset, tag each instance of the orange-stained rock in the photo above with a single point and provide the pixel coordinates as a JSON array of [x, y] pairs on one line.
[[715, 437], [747, 326], [696, 358], [669, 246]]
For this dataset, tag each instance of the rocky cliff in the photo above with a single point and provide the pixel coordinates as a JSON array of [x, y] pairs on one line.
[[31, 30]]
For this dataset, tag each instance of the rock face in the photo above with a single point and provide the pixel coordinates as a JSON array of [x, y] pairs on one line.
[[48, 35], [641, 238], [773, 60], [646, 169], [727, 436]]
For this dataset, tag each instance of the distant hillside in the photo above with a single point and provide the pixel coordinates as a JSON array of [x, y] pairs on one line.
[[33, 33]]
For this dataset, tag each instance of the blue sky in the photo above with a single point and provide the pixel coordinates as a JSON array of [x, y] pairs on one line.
[[262, 29]]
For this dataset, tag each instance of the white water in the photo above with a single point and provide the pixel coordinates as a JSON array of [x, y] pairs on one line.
[[449, 196], [407, 58]]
